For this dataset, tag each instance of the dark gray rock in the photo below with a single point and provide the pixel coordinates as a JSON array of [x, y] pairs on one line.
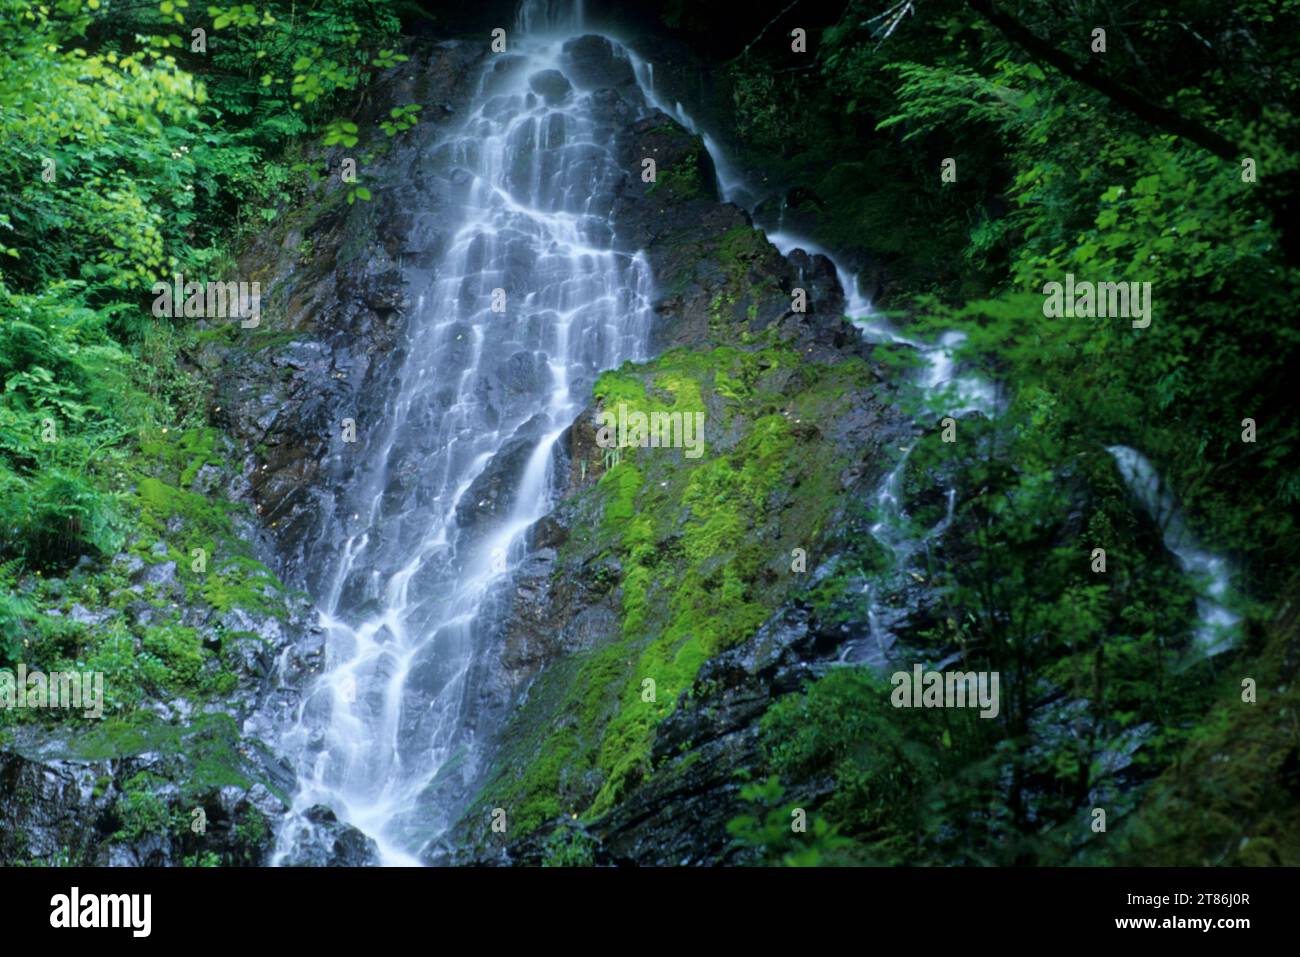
[[550, 85], [492, 494], [162, 575], [326, 841], [592, 63], [139, 808]]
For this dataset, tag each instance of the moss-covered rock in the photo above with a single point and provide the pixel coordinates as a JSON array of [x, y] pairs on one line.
[[689, 557]]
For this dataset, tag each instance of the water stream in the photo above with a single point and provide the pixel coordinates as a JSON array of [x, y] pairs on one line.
[[1215, 623], [943, 385], [937, 377]]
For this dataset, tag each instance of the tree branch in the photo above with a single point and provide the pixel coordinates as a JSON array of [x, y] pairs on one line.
[[1279, 194], [770, 24], [1089, 73]]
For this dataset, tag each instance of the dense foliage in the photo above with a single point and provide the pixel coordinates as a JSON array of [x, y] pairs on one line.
[[1167, 157], [137, 141]]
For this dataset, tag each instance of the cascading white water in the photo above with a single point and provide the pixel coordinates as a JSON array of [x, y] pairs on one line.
[[937, 379], [1215, 623], [940, 383], [403, 606]]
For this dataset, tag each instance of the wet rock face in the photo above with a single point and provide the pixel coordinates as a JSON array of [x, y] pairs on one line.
[[58, 806], [717, 282], [492, 494], [680, 815], [45, 808], [551, 85], [334, 307], [593, 64], [331, 843], [338, 303], [716, 277]]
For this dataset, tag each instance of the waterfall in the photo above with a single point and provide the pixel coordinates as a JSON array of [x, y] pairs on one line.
[[405, 599], [1215, 623], [937, 379]]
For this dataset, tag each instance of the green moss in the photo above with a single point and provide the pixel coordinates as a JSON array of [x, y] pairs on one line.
[[681, 182], [740, 246], [215, 571], [182, 454], [224, 575], [202, 758], [141, 810], [210, 745], [703, 548], [567, 847], [178, 647]]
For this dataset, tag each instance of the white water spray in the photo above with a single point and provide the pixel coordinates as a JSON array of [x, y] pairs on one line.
[[1215, 623]]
